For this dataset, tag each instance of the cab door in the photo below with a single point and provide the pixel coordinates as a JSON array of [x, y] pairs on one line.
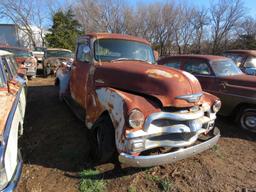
[[80, 72]]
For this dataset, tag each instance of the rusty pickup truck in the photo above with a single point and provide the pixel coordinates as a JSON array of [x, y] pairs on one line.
[[12, 110], [149, 114]]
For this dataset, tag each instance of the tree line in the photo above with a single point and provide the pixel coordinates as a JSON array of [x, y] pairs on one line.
[[171, 26]]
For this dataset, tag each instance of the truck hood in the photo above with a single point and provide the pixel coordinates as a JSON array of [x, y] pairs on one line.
[[161, 82]]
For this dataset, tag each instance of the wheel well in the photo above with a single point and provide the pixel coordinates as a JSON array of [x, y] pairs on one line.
[[104, 115], [240, 107]]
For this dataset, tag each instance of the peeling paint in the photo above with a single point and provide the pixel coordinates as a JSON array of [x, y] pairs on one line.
[[156, 73]]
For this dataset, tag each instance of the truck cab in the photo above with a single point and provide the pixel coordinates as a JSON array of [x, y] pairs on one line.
[[148, 114]]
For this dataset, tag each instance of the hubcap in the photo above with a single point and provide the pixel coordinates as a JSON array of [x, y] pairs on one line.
[[250, 121]]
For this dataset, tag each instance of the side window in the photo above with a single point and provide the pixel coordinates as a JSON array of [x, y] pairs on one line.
[[11, 65], [197, 67], [2, 78], [80, 55], [174, 64], [7, 69]]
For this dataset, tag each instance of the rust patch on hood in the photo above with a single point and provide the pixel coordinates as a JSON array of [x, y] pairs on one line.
[[161, 82]]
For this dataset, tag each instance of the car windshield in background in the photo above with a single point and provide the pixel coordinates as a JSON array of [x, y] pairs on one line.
[[115, 49], [41, 49], [225, 68], [251, 62], [56, 53], [23, 54]]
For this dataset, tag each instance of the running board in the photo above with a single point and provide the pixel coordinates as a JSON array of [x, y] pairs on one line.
[[75, 107]]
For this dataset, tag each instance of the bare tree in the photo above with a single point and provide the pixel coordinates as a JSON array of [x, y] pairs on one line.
[[225, 16], [199, 21]]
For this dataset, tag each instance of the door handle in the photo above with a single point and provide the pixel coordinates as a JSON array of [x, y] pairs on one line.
[[223, 85]]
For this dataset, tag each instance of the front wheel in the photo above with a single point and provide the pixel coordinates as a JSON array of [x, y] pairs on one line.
[[103, 140], [247, 119]]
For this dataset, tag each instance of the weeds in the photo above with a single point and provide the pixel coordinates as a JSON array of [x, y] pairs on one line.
[[132, 189], [163, 183], [216, 149], [91, 182]]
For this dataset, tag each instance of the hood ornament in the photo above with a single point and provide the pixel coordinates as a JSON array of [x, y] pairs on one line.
[[190, 98]]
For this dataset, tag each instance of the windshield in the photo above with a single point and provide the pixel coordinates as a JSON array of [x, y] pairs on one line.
[[41, 49], [250, 62], [58, 53], [115, 49], [225, 68], [23, 54]]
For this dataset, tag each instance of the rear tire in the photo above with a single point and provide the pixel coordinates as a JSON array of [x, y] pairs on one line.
[[247, 119], [102, 138]]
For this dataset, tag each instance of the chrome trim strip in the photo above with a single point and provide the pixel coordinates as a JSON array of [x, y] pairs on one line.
[[190, 98], [153, 160], [172, 116], [16, 177]]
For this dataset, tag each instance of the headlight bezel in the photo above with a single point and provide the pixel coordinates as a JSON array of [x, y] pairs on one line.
[[133, 117]]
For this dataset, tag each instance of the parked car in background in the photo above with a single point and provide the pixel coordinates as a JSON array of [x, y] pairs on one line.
[[38, 53], [12, 110], [25, 59], [220, 76], [131, 105], [21, 71], [53, 57], [244, 59]]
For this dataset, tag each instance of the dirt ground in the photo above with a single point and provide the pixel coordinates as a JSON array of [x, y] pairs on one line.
[[55, 150]]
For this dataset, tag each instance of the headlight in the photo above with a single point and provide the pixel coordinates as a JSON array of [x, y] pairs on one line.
[[136, 119], [3, 179], [216, 106]]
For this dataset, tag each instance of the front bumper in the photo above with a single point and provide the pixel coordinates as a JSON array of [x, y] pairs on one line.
[[182, 153], [31, 71], [16, 177]]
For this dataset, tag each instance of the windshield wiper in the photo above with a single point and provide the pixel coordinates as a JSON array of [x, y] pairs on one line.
[[131, 59], [120, 59]]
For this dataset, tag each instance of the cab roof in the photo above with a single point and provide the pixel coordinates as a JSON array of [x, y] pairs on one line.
[[58, 49], [242, 51], [115, 36], [3, 53]]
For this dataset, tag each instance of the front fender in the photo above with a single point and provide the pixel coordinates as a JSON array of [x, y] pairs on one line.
[[118, 104]]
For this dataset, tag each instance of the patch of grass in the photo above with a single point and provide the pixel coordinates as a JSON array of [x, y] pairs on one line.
[[91, 181], [163, 183], [216, 149], [132, 188]]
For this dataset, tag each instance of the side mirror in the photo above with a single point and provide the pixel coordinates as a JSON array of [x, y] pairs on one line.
[[86, 49], [156, 54]]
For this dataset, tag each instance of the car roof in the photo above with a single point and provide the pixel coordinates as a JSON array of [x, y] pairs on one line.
[[115, 36], [3, 53], [58, 49], [13, 48], [206, 57], [242, 51]]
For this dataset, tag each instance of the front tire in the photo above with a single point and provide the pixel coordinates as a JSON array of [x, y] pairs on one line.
[[103, 140], [247, 119]]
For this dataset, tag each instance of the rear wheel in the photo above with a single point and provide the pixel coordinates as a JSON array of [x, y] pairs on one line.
[[247, 119], [103, 140]]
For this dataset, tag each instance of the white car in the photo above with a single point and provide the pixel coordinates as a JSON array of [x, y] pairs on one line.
[[12, 110]]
